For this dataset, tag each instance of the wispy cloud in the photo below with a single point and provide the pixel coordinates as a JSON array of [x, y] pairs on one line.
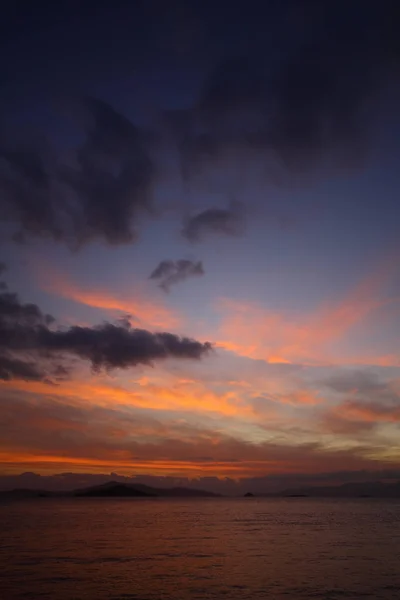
[[255, 331], [175, 450], [185, 396], [139, 306]]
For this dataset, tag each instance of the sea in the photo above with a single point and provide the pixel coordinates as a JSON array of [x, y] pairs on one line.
[[215, 548]]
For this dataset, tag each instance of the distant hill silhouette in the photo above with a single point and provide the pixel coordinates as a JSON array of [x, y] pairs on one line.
[[112, 489], [116, 489]]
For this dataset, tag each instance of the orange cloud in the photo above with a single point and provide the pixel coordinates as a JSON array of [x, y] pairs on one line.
[[301, 397], [54, 463], [251, 330], [87, 426], [148, 312], [368, 412], [252, 460], [192, 397]]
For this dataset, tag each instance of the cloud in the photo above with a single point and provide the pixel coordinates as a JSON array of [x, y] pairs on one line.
[[12, 368], [183, 428], [357, 381], [221, 221], [112, 346], [343, 57], [354, 416], [373, 412], [179, 397], [114, 178], [255, 331], [310, 101], [53, 435], [30, 344], [3, 268], [172, 272], [370, 400], [305, 95], [29, 195], [299, 96], [133, 302], [101, 195]]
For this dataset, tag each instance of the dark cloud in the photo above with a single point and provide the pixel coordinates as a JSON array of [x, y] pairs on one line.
[[3, 267], [170, 272], [220, 221], [114, 179], [321, 89], [31, 347], [12, 368], [304, 97], [114, 346], [299, 93], [101, 196], [29, 195]]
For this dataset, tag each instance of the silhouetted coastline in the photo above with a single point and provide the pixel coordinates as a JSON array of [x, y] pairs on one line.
[[111, 489], [115, 489]]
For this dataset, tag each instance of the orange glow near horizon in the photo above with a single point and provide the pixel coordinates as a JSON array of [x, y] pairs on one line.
[[274, 412], [53, 464]]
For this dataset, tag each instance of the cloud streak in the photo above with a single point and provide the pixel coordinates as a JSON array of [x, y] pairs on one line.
[[254, 331], [133, 302]]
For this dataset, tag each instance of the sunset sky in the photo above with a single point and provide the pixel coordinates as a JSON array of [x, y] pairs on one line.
[[205, 198]]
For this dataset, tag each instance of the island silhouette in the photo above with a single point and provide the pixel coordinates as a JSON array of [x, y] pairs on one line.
[[111, 489], [116, 489]]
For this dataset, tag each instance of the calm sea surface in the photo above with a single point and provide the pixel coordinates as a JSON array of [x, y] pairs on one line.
[[167, 548]]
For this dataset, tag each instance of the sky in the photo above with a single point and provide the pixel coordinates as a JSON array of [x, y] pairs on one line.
[[199, 219]]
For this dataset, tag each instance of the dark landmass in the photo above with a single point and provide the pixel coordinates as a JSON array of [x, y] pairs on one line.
[[371, 489], [111, 489], [115, 489]]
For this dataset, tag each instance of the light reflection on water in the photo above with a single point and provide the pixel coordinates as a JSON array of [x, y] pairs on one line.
[[216, 548]]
